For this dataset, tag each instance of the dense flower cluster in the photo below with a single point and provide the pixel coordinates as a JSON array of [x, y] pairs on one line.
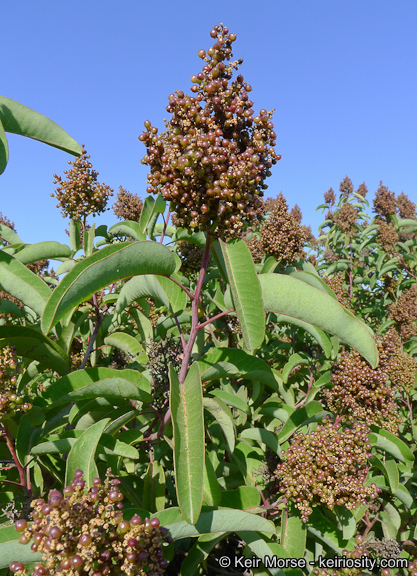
[[10, 401], [345, 218], [360, 392], [80, 194], [327, 466], [387, 236], [330, 197], [82, 533], [406, 208], [384, 202], [346, 187], [191, 257], [404, 313], [213, 158], [282, 236], [128, 206]]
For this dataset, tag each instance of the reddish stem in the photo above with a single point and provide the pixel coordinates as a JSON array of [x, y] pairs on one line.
[[10, 446]]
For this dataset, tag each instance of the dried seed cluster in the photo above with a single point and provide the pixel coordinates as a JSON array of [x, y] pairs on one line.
[[345, 218], [360, 392], [213, 158], [387, 236], [327, 466], [128, 206], [404, 313], [80, 194], [282, 236], [384, 202], [10, 401], [346, 187], [82, 533], [330, 197]]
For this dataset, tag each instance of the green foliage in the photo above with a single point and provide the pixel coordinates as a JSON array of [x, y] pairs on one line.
[[245, 401]]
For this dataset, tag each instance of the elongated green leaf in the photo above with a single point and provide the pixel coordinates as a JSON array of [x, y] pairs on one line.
[[129, 228], [312, 411], [98, 382], [198, 238], [83, 452], [4, 149], [212, 522], [212, 493], [154, 488], [151, 207], [33, 344], [9, 235], [75, 235], [231, 400], [246, 291], [186, 404], [293, 535], [393, 475], [12, 551], [18, 281], [20, 119], [198, 553], [223, 416], [265, 550], [43, 250], [149, 286], [234, 363], [263, 436], [326, 532], [315, 332], [286, 295], [294, 361], [128, 344], [241, 498], [392, 445], [348, 522], [102, 268]]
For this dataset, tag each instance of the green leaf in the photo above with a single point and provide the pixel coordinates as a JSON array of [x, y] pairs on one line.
[[246, 291], [186, 405], [75, 235], [311, 412], [160, 288], [233, 363], [83, 452], [293, 535], [18, 281], [212, 522], [212, 493], [98, 382], [263, 436], [154, 488], [129, 228], [111, 264], [258, 545], [9, 235], [12, 551], [242, 498], [33, 344], [325, 531], [294, 361], [198, 553], [393, 474], [231, 400], [128, 344], [4, 149], [286, 295], [223, 416], [41, 251], [151, 207], [348, 522], [389, 443], [19, 119]]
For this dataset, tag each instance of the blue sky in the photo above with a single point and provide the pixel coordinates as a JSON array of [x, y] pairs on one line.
[[341, 75]]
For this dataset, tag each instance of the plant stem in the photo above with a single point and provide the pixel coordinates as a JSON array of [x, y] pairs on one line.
[[10, 446], [194, 312]]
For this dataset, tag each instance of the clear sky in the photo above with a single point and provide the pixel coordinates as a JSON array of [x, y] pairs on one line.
[[341, 75]]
